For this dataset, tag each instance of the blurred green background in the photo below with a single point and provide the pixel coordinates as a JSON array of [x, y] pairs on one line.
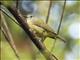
[[70, 30]]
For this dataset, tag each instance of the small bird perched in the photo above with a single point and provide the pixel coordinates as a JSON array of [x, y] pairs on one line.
[[37, 25], [41, 29]]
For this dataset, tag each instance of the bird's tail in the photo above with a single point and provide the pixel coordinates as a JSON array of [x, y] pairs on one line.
[[61, 38]]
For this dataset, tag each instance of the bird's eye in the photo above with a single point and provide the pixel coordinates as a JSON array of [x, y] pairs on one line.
[[31, 16]]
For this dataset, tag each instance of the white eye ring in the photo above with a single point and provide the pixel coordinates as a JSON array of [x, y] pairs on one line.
[[29, 16]]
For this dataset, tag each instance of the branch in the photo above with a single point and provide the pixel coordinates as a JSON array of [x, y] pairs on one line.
[[47, 18], [48, 55], [8, 36]]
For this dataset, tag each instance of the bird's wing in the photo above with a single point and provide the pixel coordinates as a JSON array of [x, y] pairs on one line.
[[47, 28], [34, 27], [43, 25]]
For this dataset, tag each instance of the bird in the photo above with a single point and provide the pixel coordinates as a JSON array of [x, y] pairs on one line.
[[41, 29]]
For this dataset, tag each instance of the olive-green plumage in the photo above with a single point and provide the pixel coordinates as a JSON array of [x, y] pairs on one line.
[[41, 29]]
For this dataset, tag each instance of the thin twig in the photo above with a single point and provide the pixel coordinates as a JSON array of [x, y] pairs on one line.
[[61, 17], [48, 14], [8, 36], [5, 12], [48, 55], [17, 2], [59, 25]]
